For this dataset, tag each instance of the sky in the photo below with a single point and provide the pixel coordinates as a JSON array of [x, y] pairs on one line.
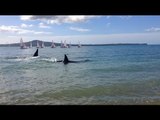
[[88, 29]]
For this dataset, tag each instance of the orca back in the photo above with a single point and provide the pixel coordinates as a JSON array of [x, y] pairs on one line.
[[66, 61], [36, 53]]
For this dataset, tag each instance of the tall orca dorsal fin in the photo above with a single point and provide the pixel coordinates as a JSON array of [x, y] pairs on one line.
[[36, 53], [66, 61]]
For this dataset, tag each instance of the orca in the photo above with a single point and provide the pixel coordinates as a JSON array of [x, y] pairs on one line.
[[36, 53], [66, 60]]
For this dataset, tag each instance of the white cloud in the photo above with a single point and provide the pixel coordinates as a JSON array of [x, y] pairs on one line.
[[18, 30], [153, 29], [42, 25], [25, 25], [4, 28], [58, 19], [79, 29], [41, 32], [26, 17]]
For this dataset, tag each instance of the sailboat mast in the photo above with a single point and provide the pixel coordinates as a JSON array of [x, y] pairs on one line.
[[37, 44], [53, 45], [30, 44], [42, 44]]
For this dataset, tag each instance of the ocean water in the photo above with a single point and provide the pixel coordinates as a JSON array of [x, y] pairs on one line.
[[111, 75]]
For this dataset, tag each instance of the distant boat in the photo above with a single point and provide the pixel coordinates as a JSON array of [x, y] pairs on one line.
[[65, 44], [38, 44], [42, 45], [30, 44], [79, 45], [62, 44], [53, 45], [22, 45]]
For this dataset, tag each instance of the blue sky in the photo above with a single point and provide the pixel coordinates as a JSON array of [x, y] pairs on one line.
[[83, 28]]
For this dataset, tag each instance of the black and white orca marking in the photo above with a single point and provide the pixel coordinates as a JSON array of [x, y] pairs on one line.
[[66, 60]]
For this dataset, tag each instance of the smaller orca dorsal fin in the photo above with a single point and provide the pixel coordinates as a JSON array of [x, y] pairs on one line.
[[36, 53], [65, 59]]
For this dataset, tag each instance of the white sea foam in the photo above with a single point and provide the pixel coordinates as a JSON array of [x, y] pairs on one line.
[[24, 58], [50, 59]]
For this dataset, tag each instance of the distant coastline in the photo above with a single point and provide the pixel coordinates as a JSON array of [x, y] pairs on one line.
[[114, 44], [34, 42]]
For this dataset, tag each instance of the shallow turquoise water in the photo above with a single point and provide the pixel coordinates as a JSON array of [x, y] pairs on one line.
[[126, 74]]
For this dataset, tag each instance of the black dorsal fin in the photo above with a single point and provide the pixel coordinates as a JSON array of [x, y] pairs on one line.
[[65, 59], [36, 53]]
